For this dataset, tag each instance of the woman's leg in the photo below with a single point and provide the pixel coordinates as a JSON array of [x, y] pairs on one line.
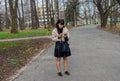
[[66, 66], [65, 63], [58, 64]]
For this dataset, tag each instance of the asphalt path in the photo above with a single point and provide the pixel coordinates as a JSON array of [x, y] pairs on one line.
[[95, 57]]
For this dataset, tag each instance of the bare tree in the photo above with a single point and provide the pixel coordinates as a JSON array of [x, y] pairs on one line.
[[0, 23], [13, 5], [43, 8], [103, 8], [118, 1], [114, 14], [6, 15], [52, 18], [86, 15], [74, 4], [34, 18], [19, 18], [27, 13], [0, 20], [23, 18], [56, 3], [47, 10]]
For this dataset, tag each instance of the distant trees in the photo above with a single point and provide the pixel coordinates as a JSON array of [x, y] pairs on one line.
[[20, 14]]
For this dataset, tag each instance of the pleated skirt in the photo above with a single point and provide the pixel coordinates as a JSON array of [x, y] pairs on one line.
[[58, 51]]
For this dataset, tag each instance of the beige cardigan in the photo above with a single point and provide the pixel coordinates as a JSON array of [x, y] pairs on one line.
[[55, 34]]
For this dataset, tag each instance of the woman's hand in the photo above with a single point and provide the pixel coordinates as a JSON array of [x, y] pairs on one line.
[[62, 35]]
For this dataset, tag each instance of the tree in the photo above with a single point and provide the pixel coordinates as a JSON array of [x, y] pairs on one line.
[[23, 18], [0, 23], [56, 2], [27, 13], [6, 16], [43, 8], [104, 9], [52, 13], [34, 18], [13, 5], [47, 10], [74, 4], [0, 20], [69, 14], [114, 14], [118, 1]]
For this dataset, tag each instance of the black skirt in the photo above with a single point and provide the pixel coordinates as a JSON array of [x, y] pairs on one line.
[[58, 51]]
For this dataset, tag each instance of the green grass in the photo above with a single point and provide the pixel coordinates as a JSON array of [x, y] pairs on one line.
[[8, 45], [25, 33], [14, 61], [14, 44]]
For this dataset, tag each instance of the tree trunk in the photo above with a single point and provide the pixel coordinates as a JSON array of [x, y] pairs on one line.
[[6, 15], [34, 18], [20, 19], [104, 10], [13, 12], [0, 23], [50, 13], [56, 9], [75, 17], [23, 19], [104, 20], [52, 19], [32, 15], [47, 10], [43, 13]]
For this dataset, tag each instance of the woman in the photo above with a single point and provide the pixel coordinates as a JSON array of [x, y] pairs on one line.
[[61, 34]]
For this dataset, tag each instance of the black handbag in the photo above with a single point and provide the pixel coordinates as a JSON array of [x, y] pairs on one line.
[[65, 47]]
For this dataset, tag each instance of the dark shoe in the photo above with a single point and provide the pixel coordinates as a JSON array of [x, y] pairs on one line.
[[67, 73], [60, 74]]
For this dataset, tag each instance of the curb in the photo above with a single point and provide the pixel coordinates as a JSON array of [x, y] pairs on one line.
[[26, 38]]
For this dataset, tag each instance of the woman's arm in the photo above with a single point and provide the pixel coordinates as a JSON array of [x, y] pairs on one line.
[[66, 34], [55, 36], [66, 31]]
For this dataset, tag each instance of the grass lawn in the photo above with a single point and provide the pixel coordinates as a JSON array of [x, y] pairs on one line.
[[15, 54], [25, 33]]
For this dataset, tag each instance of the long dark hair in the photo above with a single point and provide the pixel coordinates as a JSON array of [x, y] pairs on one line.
[[59, 21]]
